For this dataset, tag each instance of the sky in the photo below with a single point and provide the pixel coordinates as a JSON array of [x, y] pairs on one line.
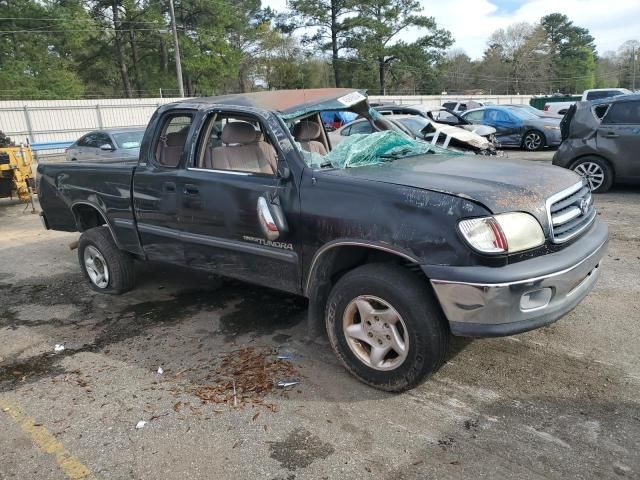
[[611, 22]]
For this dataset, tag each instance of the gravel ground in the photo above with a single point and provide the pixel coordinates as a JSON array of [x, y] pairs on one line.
[[559, 402]]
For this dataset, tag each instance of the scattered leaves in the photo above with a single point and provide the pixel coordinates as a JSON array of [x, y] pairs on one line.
[[254, 372]]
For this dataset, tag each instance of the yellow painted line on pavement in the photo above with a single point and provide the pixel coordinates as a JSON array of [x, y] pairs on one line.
[[45, 441]]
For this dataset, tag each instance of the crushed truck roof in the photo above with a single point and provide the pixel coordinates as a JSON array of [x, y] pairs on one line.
[[290, 103]]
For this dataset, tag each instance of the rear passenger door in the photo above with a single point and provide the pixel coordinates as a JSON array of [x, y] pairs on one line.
[[508, 129], [619, 137], [235, 163], [156, 188]]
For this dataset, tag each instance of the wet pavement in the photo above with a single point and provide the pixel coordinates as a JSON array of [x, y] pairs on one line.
[[559, 402]]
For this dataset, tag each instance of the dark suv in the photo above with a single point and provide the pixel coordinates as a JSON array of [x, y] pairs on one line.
[[601, 140]]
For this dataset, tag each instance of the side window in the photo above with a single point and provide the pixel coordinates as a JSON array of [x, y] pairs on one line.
[[449, 105], [173, 137], [238, 143], [623, 113], [474, 117], [103, 139], [82, 142], [345, 132], [462, 107], [497, 116], [90, 140], [361, 127]]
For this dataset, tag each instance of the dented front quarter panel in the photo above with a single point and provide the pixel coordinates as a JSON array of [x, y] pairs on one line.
[[411, 221]]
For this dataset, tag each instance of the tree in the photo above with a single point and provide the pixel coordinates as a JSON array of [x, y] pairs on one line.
[[374, 33], [628, 59], [33, 59], [571, 53], [460, 71], [331, 21], [522, 53]]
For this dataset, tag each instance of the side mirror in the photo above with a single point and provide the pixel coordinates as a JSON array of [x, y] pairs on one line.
[[106, 147], [271, 217]]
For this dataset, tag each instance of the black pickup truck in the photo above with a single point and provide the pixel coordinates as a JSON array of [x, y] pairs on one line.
[[395, 243]]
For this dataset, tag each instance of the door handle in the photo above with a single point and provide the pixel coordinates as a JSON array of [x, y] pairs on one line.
[[612, 135], [169, 187], [191, 189]]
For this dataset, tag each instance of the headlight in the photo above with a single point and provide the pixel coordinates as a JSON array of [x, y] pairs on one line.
[[507, 232], [552, 127]]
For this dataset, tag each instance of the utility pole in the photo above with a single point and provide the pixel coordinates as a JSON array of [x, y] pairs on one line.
[[176, 48], [633, 82]]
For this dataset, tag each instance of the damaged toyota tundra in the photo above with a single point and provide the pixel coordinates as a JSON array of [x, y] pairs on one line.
[[396, 243]]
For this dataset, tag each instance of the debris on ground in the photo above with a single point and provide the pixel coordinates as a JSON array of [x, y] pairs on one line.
[[140, 424], [59, 347], [245, 377], [287, 383]]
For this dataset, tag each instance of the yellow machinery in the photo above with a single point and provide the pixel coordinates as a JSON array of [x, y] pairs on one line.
[[16, 174]]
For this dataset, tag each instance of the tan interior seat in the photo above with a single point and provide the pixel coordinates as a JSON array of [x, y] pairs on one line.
[[305, 133], [170, 148], [243, 150]]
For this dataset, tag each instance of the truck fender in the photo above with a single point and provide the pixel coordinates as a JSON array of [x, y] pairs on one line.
[[82, 203], [323, 265]]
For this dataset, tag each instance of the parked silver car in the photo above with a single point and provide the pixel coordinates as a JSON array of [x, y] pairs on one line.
[[107, 145]]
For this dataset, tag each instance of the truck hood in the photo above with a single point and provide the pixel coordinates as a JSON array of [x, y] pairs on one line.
[[499, 185]]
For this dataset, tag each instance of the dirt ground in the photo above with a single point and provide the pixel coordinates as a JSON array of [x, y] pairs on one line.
[[559, 402]]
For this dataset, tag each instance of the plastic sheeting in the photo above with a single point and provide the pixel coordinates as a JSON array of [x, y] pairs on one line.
[[378, 147]]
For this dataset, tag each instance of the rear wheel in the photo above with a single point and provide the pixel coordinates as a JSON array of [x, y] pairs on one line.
[[533, 140], [108, 269], [597, 171], [386, 327]]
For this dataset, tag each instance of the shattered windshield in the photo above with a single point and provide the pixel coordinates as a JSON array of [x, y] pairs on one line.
[[388, 142], [371, 149]]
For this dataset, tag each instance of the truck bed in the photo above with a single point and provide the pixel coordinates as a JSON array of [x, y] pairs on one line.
[[68, 192]]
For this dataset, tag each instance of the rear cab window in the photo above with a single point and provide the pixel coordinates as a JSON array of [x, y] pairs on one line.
[[603, 94], [170, 144]]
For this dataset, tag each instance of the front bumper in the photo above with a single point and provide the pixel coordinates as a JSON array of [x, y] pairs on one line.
[[491, 302]]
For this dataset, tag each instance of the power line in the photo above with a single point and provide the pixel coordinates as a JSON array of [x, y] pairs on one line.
[[72, 20], [104, 29]]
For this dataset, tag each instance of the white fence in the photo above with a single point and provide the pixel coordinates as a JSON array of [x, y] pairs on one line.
[[66, 120]]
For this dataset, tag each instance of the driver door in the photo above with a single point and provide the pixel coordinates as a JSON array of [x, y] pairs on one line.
[[235, 164]]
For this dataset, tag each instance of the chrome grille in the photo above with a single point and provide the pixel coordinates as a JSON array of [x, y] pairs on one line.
[[570, 212]]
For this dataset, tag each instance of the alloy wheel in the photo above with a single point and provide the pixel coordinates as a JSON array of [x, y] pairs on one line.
[[592, 172], [96, 267], [375, 332], [532, 141]]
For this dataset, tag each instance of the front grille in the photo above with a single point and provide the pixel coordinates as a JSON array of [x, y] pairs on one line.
[[570, 212]]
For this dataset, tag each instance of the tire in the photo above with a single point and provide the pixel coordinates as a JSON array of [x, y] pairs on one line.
[[533, 141], [112, 269], [597, 171], [421, 322]]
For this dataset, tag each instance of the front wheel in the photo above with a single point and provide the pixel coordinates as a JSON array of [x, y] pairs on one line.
[[108, 269], [533, 141], [386, 327]]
